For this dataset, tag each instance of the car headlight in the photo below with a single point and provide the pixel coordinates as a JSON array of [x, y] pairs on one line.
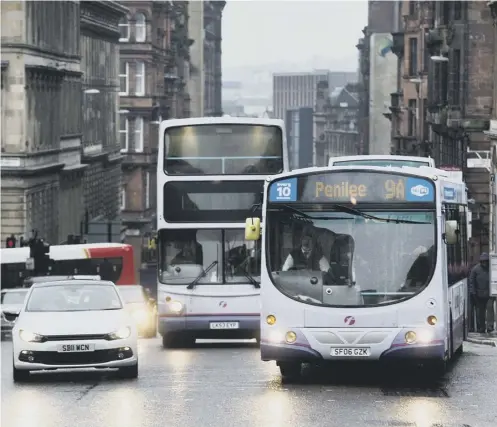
[[30, 336], [120, 334]]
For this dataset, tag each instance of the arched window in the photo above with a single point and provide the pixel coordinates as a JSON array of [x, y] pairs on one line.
[[140, 28], [124, 30]]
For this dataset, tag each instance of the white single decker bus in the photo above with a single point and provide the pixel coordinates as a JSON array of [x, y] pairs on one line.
[[210, 177], [382, 160], [362, 263]]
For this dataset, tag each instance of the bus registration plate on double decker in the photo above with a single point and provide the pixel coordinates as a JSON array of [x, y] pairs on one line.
[[224, 325], [351, 351]]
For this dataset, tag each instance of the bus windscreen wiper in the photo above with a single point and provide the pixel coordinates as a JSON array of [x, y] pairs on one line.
[[357, 212], [304, 216], [201, 275], [252, 281]]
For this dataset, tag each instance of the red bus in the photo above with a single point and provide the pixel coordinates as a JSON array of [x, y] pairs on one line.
[[69, 260]]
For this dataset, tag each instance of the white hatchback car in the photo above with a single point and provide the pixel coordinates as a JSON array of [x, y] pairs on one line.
[[74, 324]]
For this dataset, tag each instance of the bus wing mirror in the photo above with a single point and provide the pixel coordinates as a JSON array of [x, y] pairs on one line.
[[252, 229], [451, 232]]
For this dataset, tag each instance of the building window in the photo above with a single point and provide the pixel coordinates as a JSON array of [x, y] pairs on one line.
[[123, 198], [426, 58], [140, 28], [411, 118], [413, 56], [123, 132], [124, 30], [139, 134], [147, 190], [140, 78], [456, 76], [457, 10], [123, 78], [412, 7]]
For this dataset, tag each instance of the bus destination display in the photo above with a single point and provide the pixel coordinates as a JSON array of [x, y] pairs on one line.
[[353, 187]]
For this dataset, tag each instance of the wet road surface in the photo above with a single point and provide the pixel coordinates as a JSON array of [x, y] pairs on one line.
[[223, 384]]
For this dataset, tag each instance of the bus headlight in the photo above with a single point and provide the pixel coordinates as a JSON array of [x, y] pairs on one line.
[[432, 320], [270, 320], [425, 336], [410, 337], [290, 337], [175, 306]]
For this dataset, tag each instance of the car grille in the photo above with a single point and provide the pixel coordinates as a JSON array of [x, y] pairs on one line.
[[86, 358], [74, 337]]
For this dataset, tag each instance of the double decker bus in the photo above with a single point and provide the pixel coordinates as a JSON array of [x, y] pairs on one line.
[[362, 263], [210, 176], [382, 160], [68, 260]]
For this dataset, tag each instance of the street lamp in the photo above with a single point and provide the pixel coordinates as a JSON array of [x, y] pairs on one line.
[[91, 91], [123, 111]]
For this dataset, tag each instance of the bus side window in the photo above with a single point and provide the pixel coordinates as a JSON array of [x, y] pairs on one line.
[[457, 254], [117, 267]]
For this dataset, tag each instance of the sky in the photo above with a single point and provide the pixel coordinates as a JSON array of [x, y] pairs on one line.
[[287, 34]]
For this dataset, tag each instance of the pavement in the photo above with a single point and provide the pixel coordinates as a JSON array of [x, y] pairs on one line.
[[225, 384], [483, 339]]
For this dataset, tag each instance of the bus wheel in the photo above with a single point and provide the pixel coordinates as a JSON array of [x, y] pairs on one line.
[[290, 371]]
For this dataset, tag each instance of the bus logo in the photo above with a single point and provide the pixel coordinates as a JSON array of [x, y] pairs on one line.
[[223, 304], [420, 191], [349, 320]]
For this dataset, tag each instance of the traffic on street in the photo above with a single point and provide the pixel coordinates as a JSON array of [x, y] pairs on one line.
[[225, 384]]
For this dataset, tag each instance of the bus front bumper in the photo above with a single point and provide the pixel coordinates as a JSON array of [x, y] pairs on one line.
[[370, 344], [211, 326]]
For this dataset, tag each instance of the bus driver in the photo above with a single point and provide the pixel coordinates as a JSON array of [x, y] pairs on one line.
[[307, 256]]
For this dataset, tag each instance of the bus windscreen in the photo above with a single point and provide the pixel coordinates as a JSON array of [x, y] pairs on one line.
[[223, 149]]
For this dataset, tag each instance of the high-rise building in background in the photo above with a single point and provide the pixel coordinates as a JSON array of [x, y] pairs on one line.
[[205, 33], [295, 90], [299, 136], [60, 162]]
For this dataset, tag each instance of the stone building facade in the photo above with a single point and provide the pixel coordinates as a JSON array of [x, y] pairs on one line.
[[44, 164], [213, 12], [409, 106], [336, 118], [460, 96], [99, 45], [154, 70]]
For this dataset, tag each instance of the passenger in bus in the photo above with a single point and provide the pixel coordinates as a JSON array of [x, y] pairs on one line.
[[420, 270], [341, 256], [308, 256], [190, 253]]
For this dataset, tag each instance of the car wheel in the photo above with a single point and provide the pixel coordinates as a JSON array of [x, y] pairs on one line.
[[19, 375], [129, 371]]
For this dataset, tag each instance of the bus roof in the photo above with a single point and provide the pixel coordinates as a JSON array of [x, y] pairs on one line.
[[381, 157], [192, 121], [59, 252]]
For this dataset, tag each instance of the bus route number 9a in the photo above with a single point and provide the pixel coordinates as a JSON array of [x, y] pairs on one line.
[[395, 190]]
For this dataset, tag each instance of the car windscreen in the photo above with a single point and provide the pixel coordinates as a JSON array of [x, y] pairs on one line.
[[60, 298]]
